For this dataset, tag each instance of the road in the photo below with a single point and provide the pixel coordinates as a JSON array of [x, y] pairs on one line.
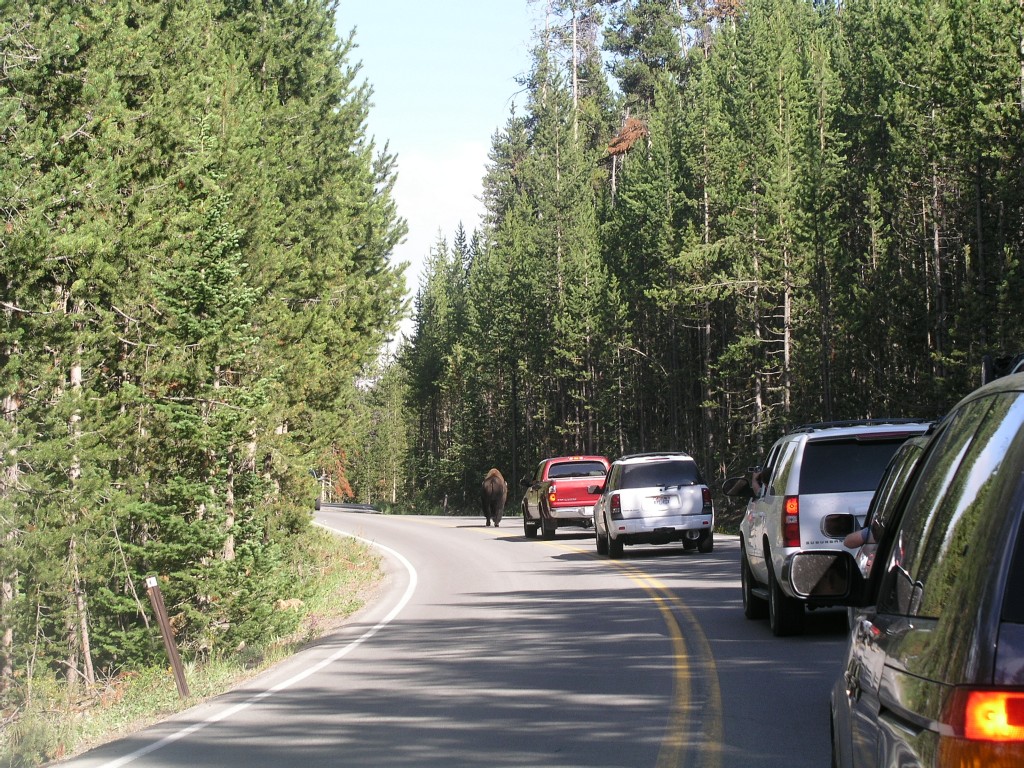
[[485, 648]]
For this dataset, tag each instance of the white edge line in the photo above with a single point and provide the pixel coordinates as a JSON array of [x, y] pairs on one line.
[[344, 651]]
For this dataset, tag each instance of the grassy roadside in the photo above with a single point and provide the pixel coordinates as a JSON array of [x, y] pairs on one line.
[[57, 722]]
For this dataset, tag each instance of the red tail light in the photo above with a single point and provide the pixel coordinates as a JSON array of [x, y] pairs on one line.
[[994, 716], [791, 521], [706, 496], [552, 495], [616, 506], [988, 728]]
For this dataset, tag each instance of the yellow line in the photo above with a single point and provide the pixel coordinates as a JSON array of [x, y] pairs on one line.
[[706, 749]]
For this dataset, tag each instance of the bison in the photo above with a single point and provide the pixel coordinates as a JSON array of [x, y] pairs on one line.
[[493, 495]]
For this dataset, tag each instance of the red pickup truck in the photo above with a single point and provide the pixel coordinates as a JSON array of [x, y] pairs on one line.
[[557, 494]]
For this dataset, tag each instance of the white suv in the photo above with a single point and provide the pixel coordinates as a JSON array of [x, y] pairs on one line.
[[814, 478], [653, 498]]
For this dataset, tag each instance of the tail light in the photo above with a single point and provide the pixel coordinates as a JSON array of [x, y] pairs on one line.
[[988, 728], [991, 715], [552, 495], [706, 495], [616, 506], [791, 521]]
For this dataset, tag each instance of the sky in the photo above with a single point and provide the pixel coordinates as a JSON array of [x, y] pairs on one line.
[[443, 74]]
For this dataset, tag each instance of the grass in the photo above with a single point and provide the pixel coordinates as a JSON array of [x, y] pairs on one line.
[[57, 721]]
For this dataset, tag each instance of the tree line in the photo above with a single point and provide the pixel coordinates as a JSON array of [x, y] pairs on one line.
[[705, 222], [194, 274], [711, 221]]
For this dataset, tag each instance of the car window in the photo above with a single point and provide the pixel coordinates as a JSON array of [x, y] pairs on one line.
[[780, 475], [956, 511], [576, 469], [1013, 599], [769, 464], [845, 466], [891, 486], [660, 474]]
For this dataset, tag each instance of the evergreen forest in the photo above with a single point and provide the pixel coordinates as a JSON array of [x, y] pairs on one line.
[[705, 222], [194, 275], [708, 222]]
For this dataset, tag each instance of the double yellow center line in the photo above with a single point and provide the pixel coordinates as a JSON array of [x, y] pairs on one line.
[[694, 731]]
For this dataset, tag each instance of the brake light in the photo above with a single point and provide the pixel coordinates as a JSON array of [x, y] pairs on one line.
[[552, 495], [994, 716], [791, 521], [988, 728], [616, 506], [706, 496]]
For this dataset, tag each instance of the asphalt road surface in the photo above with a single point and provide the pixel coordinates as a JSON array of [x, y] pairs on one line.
[[485, 648]]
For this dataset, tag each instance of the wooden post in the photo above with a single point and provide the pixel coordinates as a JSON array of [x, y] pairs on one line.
[[156, 599]]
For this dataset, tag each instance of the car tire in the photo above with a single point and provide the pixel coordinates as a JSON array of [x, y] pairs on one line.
[[529, 527], [834, 763], [706, 543], [785, 614], [602, 543], [753, 606], [547, 530], [615, 547]]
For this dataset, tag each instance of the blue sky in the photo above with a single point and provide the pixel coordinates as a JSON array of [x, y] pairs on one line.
[[443, 75]]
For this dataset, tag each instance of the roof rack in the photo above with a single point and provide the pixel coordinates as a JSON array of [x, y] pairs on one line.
[[655, 453], [856, 423]]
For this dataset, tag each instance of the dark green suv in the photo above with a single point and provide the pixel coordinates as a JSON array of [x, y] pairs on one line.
[[934, 672]]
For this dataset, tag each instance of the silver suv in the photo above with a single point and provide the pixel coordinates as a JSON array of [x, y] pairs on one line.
[[653, 498], [813, 478]]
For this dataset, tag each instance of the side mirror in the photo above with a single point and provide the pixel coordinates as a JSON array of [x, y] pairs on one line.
[[824, 574], [595, 489], [739, 487]]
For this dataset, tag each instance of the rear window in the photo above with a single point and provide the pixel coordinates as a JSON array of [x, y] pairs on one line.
[[660, 474], [845, 466], [576, 469]]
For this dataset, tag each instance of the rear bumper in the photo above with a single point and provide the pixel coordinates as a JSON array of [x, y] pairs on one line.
[[571, 513], [660, 529]]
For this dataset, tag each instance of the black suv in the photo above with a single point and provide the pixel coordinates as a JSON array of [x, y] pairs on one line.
[[934, 673]]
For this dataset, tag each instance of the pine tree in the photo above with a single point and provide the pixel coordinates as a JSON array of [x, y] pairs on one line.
[[195, 270]]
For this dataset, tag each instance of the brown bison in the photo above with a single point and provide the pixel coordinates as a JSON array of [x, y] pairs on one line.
[[493, 495]]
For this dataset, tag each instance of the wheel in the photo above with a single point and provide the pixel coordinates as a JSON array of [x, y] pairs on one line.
[[614, 547], [706, 543], [785, 614], [547, 529], [753, 606], [528, 526], [832, 734], [602, 543]]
